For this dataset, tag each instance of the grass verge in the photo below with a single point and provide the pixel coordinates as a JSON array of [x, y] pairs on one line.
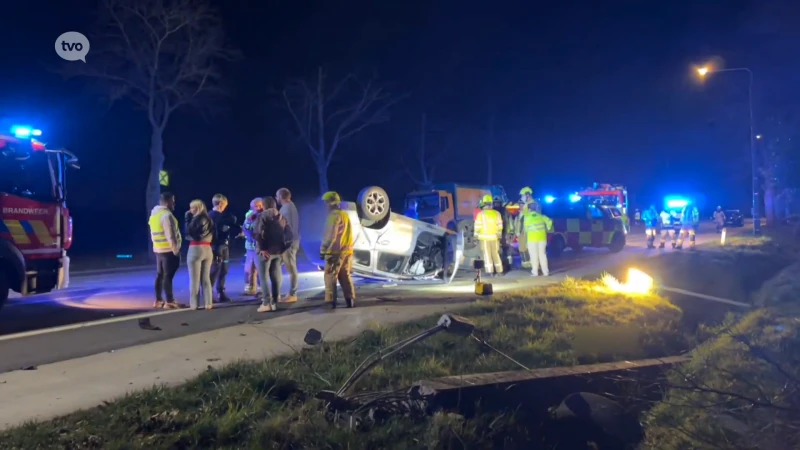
[[269, 404], [741, 389]]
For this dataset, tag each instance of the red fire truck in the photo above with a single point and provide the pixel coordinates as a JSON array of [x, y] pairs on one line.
[[612, 195], [607, 194], [35, 225]]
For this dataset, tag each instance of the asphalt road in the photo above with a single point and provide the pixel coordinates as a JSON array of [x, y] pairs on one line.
[[99, 312]]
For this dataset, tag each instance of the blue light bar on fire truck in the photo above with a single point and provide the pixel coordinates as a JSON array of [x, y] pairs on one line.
[[549, 199], [24, 132], [574, 198]]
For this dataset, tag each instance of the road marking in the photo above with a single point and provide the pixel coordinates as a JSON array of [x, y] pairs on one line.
[[706, 297], [94, 323], [41, 298], [75, 326]]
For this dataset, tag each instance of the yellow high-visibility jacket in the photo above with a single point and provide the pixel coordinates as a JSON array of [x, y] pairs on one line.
[[164, 231], [337, 238], [488, 225], [536, 226]]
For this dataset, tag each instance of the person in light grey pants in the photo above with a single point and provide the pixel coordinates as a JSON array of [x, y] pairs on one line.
[[200, 229], [199, 261]]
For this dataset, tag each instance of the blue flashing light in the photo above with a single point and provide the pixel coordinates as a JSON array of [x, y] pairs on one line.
[[677, 203], [549, 199], [24, 132], [574, 198], [124, 256]]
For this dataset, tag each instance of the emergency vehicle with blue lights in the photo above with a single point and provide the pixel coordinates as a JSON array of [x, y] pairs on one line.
[[583, 222], [673, 205], [35, 224]]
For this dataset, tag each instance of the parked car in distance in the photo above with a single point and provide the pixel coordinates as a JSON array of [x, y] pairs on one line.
[[734, 218]]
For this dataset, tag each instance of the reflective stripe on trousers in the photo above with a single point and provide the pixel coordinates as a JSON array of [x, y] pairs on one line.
[[491, 256]]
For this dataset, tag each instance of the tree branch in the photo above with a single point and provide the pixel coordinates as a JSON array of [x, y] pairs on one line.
[[332, 112], [161, 54]]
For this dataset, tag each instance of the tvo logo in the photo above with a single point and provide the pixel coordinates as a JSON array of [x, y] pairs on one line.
[[72, 46]]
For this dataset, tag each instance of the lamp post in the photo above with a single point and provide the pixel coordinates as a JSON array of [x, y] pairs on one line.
[[706, 70]]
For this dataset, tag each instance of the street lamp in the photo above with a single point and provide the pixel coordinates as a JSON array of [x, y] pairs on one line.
[[706, 70]]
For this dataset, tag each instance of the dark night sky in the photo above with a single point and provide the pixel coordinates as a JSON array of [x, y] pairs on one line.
[[588, 91]]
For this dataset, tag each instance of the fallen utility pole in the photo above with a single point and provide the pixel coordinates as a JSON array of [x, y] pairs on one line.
[[456, 382]]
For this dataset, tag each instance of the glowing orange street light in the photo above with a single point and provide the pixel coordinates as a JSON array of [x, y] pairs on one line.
[[702, 71]]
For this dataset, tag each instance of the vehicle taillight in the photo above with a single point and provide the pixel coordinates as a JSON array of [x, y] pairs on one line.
[[38, 146]]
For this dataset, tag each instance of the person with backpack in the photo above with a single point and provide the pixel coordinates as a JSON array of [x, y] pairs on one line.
[[273, 237], [200, 230]]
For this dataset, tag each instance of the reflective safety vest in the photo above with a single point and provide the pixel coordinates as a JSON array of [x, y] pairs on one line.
[[488, 225], [693, 216], [650, 217], [536, 226], [337, 238], [157, 234], [666, 219]]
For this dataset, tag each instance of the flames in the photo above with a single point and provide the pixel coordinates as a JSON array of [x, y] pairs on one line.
[[639, 283]]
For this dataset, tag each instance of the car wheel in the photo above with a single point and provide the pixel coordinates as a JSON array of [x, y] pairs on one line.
[[373, 204], [4, 289], [556, 246], [617, 243]]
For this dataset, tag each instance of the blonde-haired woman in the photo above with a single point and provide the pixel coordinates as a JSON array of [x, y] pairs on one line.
[[200, 230]]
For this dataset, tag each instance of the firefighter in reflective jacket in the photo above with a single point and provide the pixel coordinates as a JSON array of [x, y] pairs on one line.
[[488, 230], [337, 251], [690, 220], [527, 203], [667, 228], [650, 219], [536, 228]]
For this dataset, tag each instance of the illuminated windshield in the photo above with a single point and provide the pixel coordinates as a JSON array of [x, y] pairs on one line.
[[427, 205], [29, 178]]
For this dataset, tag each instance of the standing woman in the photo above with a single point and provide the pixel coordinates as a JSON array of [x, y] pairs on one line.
[[200, 230]]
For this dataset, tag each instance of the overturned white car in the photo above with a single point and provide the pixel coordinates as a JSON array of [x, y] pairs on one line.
[[391, 246]]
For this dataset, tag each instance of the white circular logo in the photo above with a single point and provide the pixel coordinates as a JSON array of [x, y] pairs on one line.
[[72, 46]]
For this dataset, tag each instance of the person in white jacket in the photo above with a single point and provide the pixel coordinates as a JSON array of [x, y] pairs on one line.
[[166, 237]]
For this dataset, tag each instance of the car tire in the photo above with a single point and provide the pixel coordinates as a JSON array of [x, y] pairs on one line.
[[373, 204], [617, 243], [4, 289], [556, 246]]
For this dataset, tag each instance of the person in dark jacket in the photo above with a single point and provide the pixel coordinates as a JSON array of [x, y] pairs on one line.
[[200, 231], [273, 237], [224, 224]]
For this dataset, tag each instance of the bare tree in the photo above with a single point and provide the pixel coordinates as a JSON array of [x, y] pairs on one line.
[[426, 160], [776, 148], [162, 55], [327, 114]]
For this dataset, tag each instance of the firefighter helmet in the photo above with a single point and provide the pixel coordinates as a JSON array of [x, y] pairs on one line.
[[526, 190], [331, 197], [487, 199]]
